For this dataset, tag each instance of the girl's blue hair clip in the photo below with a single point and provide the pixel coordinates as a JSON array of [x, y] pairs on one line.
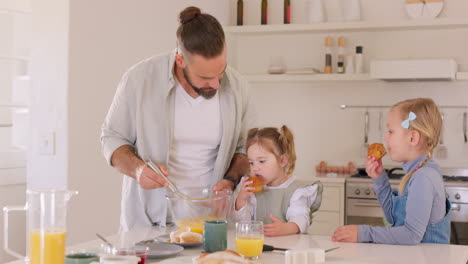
[[411, 117]]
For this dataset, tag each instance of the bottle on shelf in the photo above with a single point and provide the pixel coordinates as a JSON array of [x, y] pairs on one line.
[[264, 19], [328, 55], [240, 12], [359, 66], [341, 51], [287, 11], [349, 67], [316, 11], [351, 10]]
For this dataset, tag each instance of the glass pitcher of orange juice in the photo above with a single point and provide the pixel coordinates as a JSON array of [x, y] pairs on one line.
[[46, 211]]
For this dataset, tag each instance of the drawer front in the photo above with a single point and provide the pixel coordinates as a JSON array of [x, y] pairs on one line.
[[331, 198], [324, 223]]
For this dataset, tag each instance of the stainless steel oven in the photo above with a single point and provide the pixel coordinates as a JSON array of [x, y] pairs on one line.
[[362, 206]]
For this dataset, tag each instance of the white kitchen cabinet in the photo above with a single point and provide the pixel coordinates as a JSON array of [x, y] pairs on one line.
[[332, 211]]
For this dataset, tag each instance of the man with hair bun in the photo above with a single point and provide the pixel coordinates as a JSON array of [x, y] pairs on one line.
[[188, 112]]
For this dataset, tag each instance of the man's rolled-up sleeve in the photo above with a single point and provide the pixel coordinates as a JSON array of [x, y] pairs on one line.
[[119, 126]]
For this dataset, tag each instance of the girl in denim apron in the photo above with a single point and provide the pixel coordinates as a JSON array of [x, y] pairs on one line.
[[419, 211]]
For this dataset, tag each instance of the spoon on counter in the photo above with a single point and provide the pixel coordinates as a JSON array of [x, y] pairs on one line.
[[105, 240]]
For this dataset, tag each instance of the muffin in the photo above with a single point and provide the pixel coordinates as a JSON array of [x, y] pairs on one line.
[[257, 183], [376, 150]]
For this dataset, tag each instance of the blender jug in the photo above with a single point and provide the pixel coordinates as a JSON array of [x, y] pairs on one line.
[[46, 211]]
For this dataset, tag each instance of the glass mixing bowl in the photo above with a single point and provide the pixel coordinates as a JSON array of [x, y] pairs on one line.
[[203, 204]]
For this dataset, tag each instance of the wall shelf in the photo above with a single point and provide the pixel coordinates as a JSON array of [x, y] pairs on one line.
[[7, 57], [439, 23], [13, 106], [335, 77], [306, 77]]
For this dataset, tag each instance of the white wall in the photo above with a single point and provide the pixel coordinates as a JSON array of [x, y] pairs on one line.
[[106, 38], [49, 74]]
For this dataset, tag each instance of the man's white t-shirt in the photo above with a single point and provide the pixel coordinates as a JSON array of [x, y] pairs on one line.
[[197, 136]]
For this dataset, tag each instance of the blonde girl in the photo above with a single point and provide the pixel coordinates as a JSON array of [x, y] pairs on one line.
[[285, 205], [419, 211]]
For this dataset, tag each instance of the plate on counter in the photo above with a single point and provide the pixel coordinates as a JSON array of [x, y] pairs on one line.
[[164, 239], [161, 250]]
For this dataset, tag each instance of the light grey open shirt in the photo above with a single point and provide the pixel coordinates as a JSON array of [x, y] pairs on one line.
[[142, 115]]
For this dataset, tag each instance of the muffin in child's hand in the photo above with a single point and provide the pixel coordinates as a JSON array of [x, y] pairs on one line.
[[376, 150], [257, 183]]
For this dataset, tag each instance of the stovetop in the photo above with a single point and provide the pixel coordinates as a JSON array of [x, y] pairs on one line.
[[398, 173]]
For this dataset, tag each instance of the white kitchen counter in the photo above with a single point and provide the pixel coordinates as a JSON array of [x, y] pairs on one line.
[[347, 253], [330, 177]]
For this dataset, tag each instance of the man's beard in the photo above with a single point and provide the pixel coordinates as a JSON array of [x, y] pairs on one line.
[[206, 92]]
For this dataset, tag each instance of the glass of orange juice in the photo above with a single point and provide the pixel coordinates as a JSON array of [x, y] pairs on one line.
[[249, 238]]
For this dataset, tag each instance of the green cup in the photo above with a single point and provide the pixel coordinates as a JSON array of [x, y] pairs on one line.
[[81, 258], [214, 235]]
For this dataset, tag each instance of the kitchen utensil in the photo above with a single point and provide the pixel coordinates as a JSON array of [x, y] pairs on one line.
[[46, 211], [366, 128], [171, 185], [441, 149], [380, 122], [366, 133], [465, 127], [105, 240], [331, 249], [271, 248]]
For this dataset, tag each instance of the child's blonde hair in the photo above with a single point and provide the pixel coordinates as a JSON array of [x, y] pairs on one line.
[[428, 123], [277, 141]]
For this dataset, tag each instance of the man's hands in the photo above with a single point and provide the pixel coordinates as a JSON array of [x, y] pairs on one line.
[[278, 228], [127, 162], [224, 184], [149, 179]]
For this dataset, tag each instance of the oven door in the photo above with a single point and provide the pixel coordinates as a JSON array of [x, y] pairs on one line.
[[459, 224], [364, 212]]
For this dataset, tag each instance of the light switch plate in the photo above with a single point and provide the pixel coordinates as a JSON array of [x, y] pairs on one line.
[[47, 143]]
